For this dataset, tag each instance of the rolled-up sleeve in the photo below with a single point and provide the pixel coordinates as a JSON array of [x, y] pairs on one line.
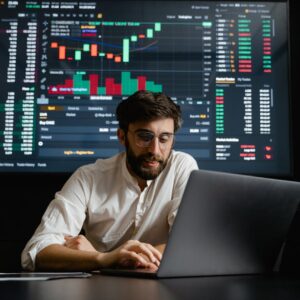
[[62, 217]]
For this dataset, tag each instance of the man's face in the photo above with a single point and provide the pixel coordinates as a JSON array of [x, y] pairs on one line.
[[148, 147]]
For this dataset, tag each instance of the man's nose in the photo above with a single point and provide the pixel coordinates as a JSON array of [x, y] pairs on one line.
[[154, 146]]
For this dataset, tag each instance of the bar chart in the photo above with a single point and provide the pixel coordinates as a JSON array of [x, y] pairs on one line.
[[117, 58]]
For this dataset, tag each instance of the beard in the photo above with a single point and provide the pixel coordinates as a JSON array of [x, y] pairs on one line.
[[136, 163]]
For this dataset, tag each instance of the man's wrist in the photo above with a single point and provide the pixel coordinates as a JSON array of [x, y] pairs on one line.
[[102, 259]]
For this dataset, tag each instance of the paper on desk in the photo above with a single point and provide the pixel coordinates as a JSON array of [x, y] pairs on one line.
[[31, 276]]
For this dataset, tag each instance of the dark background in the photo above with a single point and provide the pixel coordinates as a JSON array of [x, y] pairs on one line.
[[24, 197]]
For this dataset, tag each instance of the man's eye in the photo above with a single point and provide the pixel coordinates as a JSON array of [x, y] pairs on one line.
[[145, 137], [164, 138]]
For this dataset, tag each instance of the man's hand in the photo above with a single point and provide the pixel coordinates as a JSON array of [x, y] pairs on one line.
[[79, 242], [133, 254]]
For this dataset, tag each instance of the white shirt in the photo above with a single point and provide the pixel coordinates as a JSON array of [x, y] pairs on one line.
[[105, 200]]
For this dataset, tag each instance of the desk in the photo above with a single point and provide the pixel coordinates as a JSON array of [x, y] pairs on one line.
[[121, 288]]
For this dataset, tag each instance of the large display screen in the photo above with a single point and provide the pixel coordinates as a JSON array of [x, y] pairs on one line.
[[65, 65]]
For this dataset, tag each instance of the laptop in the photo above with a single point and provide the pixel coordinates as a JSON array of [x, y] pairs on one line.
[[227, 224]]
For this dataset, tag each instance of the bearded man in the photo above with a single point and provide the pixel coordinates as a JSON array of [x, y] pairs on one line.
[[126, 204]]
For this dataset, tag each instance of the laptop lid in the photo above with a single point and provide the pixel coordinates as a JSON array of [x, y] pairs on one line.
[[226, 224], [229, 224]]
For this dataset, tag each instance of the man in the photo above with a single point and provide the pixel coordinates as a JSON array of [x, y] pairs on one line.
[[126, 204]]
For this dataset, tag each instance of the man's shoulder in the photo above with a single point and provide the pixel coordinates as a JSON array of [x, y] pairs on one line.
[[180, 156], [181, 162]]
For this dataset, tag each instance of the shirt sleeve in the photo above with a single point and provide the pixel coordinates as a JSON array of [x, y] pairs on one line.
[[64, 216], [183, 168]]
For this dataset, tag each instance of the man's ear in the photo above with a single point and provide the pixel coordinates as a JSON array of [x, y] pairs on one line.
[[121, 136]]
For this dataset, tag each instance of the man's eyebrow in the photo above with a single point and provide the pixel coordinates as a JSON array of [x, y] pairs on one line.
[[144, 130], [149, 131]]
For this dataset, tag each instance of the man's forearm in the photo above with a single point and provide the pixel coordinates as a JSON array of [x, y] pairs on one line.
[[60, 258], [82, 257]]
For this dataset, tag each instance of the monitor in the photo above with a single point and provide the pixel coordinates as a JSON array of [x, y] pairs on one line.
[[65, 65]]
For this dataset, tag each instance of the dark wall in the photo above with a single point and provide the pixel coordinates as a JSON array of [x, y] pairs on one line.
[[25, 197]]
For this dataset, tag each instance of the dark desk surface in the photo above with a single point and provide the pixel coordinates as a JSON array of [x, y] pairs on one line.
[[122, 288]]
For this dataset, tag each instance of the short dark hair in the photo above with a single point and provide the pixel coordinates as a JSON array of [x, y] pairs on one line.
[[147, 106]]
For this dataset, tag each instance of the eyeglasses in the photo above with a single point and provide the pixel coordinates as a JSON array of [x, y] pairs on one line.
[[144, 138]]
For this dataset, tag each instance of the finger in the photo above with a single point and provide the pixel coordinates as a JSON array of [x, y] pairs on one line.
[[152, 253], [155, 252], [152, 265], [69, 243], [149, 265], [136, 259], [148, 250]]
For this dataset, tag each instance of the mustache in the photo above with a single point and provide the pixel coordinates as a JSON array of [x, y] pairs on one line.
[[150, 157]]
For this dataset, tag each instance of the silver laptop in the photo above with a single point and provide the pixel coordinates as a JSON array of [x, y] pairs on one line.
[[226, 224]]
